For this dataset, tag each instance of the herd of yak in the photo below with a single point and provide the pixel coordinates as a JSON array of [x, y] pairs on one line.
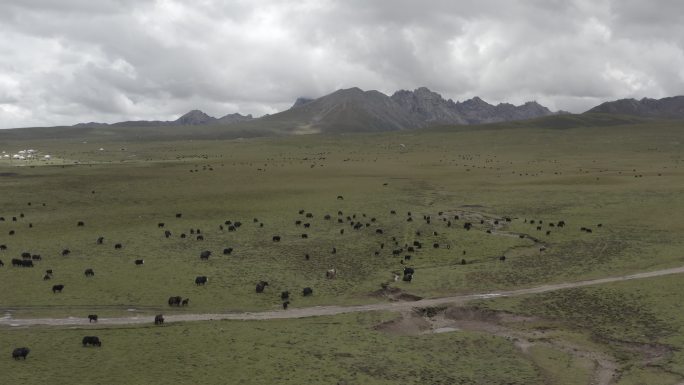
[[27, 259]]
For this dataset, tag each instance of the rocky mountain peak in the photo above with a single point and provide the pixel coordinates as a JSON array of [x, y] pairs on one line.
[[195, 117], [301, 101]]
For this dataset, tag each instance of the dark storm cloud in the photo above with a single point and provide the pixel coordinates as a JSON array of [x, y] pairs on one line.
[[78, 60]]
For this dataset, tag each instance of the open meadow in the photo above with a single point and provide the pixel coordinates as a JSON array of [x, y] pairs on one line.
[[544, 204]]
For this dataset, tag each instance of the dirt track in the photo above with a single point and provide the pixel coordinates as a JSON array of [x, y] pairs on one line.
[[328, 310]]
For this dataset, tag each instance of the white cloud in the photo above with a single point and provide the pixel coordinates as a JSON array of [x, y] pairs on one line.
[[78, 60]]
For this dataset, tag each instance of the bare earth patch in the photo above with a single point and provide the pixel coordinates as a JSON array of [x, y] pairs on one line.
[[423, 321]]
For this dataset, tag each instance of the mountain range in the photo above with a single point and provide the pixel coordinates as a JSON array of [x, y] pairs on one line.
[[353, 110]]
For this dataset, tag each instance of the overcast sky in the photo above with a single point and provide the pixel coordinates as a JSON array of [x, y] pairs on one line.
[[69, 61]]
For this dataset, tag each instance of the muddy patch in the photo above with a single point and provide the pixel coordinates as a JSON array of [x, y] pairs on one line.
[[648, 353], [411, 325], [394, 294]]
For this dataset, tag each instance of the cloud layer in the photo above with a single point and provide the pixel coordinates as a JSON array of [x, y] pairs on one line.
[[80, 60]]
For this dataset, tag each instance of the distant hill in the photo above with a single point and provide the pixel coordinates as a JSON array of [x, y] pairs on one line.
[[665, 108], [192, 118]]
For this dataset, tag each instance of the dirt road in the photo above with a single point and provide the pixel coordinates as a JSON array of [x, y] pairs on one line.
[[328, 310]]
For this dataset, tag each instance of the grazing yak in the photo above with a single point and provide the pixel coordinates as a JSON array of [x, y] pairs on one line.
[[331, 274], [284, 295], [57, 288], [139, 262], [285, 304], [118, 246], [408, 274], [80, 224], [159, 319], [89, 272], [92, 318], [227, 251], [175, 301], [201, 280], [185, 302], [167, 234], [66, 252], [21, 263], [100, 240], [276, 238], [92, 341], [20, 353], [205, 254], [307, 291], [261, 286]]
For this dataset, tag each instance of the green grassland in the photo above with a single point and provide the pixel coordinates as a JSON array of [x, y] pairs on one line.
[[629, 178], [325, 350]]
